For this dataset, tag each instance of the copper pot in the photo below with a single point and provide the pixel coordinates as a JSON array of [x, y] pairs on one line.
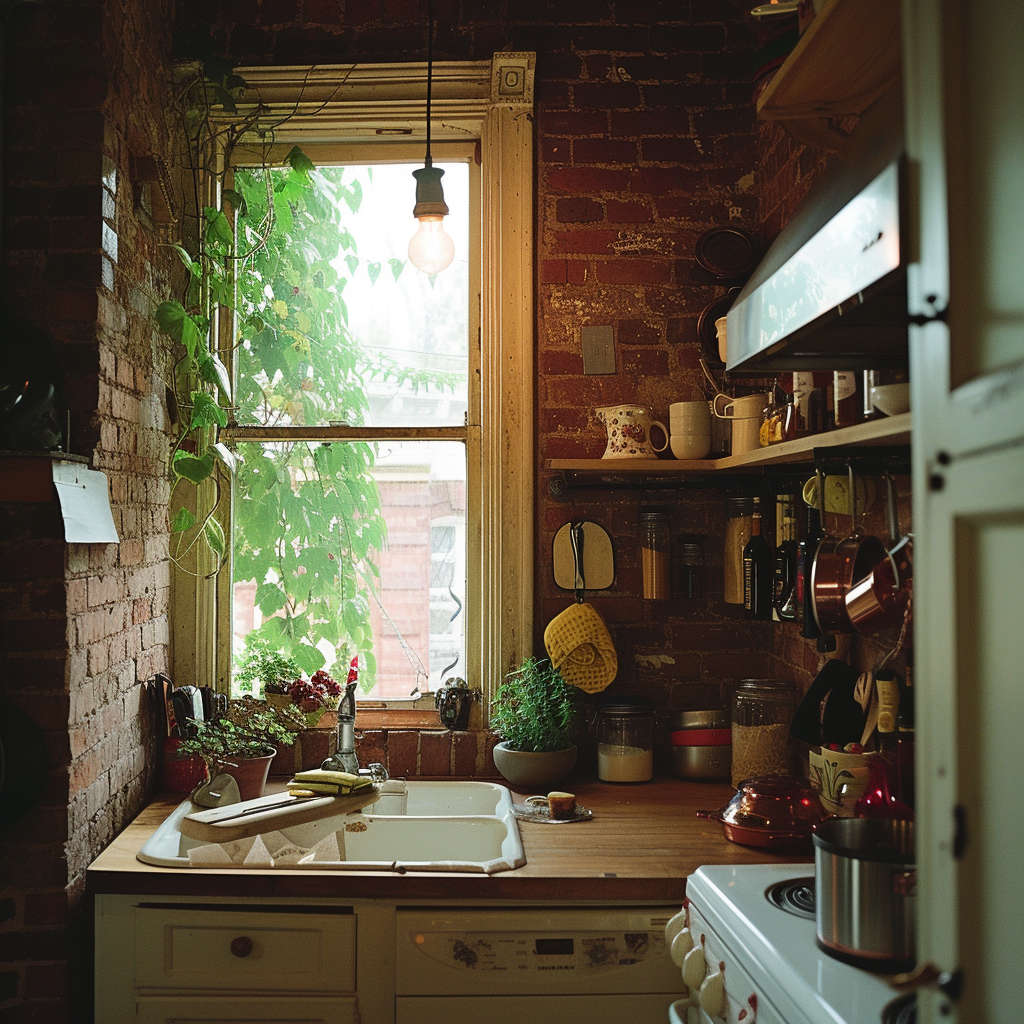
[[838, 566], [879, 601], [774, 811]]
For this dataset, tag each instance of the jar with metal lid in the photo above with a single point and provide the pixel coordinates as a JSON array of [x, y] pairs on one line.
[[701, 744], [625, 741], [762, 713]]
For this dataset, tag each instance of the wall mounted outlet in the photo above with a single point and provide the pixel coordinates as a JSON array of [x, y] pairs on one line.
[[598, 349]]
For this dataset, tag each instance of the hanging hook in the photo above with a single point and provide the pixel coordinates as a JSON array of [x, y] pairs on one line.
[[576, 536]]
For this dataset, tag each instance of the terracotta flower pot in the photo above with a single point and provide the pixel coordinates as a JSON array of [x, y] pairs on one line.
[[249, 772], [533, 769]]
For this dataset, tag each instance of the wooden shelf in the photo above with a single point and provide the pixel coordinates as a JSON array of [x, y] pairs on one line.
[[849, 55], [890, 431]]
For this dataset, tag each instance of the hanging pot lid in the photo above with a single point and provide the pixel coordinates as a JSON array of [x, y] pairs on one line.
[[706, 332], [727, 252], [597, 557]]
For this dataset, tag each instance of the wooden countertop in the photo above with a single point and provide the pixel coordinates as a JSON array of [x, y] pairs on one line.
[[641, 843]]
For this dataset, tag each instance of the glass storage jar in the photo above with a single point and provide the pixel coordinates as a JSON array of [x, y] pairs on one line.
[[625, 741], [738, 529], [655, 557], [762, 713]]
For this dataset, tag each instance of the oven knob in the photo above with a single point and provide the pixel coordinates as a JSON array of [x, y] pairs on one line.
[[681, 945], [694, 968], [675, 925], [712, 993]]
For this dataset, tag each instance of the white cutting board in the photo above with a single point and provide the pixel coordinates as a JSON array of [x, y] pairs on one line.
[[598, 558], [270, 814]]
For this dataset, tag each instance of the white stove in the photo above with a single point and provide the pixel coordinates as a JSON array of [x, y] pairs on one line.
[[774, 972]]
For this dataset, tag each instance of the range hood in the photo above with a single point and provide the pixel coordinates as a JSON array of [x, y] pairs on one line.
[[831, 292]]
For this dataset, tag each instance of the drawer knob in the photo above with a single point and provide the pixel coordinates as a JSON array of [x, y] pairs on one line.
[[241, 946]]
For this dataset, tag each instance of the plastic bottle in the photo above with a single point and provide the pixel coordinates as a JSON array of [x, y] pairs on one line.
[[655, 557]]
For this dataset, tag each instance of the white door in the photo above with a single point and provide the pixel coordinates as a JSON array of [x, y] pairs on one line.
[[965, 125]]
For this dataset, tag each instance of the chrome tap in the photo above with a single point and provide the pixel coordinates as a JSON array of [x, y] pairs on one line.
[[345, 758]]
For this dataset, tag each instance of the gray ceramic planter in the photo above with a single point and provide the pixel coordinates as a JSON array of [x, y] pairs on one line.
[[529, 769]]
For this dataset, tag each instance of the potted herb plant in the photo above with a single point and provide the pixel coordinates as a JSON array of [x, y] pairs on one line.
[[242, 741], [533, 711]]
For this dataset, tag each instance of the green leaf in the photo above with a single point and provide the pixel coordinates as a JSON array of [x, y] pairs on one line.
[[214, 534], [183, 521], [373, 269], [352, 262], [213, 371], [218, 228], [206, 412], [226, 456], [177, 324], [191, 468], [308, 658], [237, 201], [191, 265], [270, 598], [300, 163], [397, 266]]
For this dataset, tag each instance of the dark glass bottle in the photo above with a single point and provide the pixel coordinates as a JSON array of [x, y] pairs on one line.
[[784, 602], [805, 558], [905, 740], [757, 571]]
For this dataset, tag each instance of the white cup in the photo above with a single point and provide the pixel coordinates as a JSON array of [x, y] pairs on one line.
[[689, 418], [690, 446], [746, 414]]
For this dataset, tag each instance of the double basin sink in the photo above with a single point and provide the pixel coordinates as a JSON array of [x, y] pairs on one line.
[[413, 826]]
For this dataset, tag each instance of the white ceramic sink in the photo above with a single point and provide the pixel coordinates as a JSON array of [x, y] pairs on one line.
[[431, 826]]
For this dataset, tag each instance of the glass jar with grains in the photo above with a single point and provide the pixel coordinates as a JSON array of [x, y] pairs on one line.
[[762, 713]]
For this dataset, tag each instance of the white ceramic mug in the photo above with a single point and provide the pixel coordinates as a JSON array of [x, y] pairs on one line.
[[689, 418], [746, 414], [629, 432]]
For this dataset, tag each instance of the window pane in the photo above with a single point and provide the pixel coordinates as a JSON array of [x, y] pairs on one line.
[[350, 548], [345, 329]]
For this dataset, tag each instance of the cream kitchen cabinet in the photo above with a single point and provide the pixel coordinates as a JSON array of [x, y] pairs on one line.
[[161, 960]]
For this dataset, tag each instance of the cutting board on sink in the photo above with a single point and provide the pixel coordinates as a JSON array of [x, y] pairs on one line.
[[270, 813]]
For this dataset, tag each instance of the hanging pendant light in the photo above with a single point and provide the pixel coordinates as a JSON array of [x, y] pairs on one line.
[[431, 248]]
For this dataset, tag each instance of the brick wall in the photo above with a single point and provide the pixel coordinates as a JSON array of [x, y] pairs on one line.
[[83, 625]]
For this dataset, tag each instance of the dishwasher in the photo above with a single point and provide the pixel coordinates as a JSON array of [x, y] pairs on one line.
[[601, 965]]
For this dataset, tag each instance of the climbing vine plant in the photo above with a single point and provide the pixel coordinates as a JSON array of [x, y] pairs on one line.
[[272, 252]]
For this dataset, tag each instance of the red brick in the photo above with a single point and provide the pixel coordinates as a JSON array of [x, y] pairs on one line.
[[45, 908], [620, 212], [636, 332], [583, 240], [633, 272], [572, 122], [402, 748], [555, 151], [671, 150], [553, 272], [661, 180], [465, 753], [435, 753], [556, 363], [587, 179], [578, 210], [604, 151]]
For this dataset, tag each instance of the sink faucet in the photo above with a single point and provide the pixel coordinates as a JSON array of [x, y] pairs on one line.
[[345, 758]]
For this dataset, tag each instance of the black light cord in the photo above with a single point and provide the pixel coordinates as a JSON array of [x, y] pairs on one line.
[[430, 70]]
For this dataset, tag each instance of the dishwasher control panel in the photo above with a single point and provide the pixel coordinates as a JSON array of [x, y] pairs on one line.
[[534, 951]]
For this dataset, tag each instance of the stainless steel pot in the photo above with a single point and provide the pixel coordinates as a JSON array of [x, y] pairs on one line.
[[701, 744], [866, 891]]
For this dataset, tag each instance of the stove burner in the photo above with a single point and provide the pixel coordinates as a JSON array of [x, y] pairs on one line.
[[795, 896]]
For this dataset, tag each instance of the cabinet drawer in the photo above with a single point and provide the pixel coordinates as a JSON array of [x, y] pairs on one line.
[[245, 1010], [230, 948]]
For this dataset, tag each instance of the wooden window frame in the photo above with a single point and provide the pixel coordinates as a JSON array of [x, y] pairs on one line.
[[492, 102]]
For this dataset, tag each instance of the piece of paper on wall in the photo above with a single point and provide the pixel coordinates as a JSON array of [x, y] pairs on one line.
[[85, 504]]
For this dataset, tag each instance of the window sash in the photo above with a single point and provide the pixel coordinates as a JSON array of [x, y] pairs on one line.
[[490, 101]]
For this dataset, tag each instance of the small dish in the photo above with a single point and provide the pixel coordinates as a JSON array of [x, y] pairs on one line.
[[891, 399], [536, 809]]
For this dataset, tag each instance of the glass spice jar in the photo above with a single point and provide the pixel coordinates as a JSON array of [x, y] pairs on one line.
[[762, 713], [655, 556], [738, 530]]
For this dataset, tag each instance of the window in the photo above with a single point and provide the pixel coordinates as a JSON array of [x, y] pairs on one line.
[[459, 454]]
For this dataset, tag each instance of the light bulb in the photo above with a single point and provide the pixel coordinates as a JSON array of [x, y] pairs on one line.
[[431, 248]]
